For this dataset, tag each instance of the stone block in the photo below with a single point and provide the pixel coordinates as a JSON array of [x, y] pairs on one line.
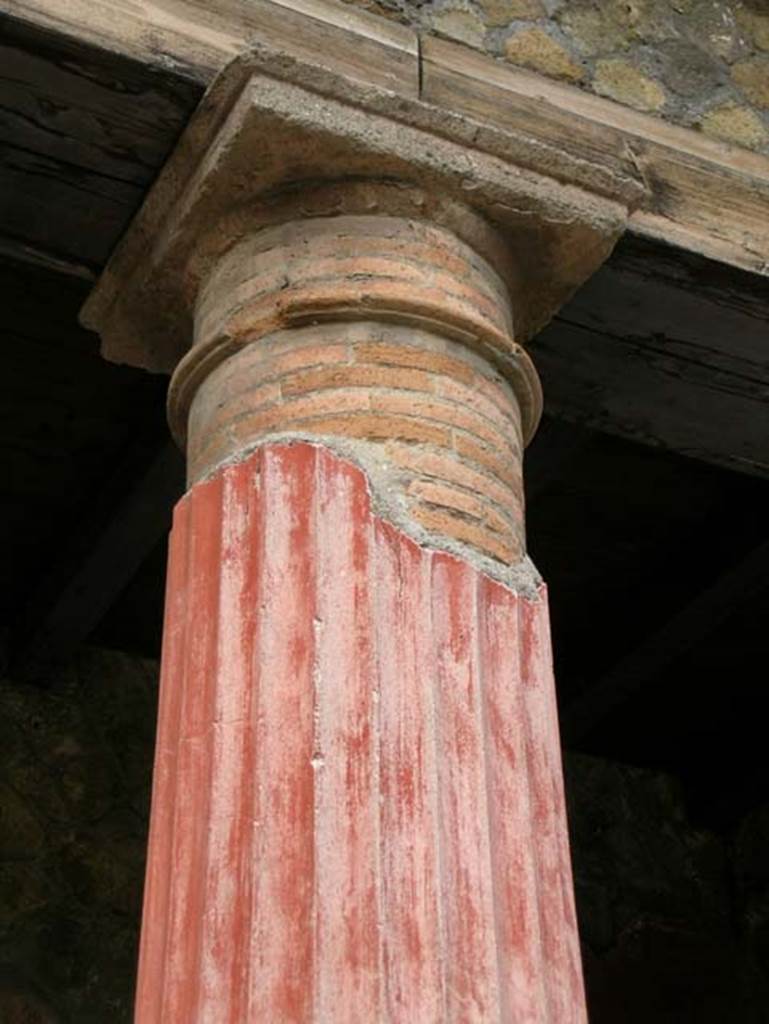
[[497, 13], [533, 48], [751, 76], [622, 81], [734, 123]]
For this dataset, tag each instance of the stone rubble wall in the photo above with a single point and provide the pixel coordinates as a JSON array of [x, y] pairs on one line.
[[674, 920], [703, 64], [75, 769]]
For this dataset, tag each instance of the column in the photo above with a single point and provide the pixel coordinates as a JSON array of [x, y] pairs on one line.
[[358, 810]]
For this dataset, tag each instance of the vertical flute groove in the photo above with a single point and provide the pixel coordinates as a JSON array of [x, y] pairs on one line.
[[534, 829], [479, 647]]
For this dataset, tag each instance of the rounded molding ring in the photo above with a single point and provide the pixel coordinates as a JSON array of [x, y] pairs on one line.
[[359, 267]]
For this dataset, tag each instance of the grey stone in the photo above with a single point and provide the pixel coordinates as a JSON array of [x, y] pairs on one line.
[[688, 70]]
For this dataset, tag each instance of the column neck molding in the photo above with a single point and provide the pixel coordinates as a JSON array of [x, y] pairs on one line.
[[356, 252]]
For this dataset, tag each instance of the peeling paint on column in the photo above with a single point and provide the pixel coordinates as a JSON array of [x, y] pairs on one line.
[[358, 810]]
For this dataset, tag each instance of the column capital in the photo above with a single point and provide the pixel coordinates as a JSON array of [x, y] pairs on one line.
[[328, 261], [270, 125]]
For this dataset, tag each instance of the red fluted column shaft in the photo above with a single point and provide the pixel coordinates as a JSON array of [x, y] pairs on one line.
[[358, 810]]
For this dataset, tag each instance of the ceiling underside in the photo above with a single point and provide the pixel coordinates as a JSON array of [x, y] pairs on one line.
[[648, 484]]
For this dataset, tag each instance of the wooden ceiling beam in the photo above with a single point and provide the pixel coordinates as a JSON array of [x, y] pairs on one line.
[[17, 251], [63, 620], [668, 350], [646, 665], [693, 192]]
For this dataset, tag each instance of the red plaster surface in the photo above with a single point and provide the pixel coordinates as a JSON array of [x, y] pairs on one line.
[[358, 811]]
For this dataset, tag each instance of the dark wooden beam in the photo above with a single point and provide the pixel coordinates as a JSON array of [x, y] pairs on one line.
[[110, 564], [82, 135], [19, 252], [666, 349], [644, 666], [554, 445]]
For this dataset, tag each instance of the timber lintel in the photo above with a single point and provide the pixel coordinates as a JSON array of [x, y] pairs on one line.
[[271, 125], [696, 193]]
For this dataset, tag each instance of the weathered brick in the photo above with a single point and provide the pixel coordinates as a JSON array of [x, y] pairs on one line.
[[497, 522], [448, 467], [446, 523], [473, 398], [270, 358], [357, 375], [449, 497], [284, 415], [382, 427], [506, 469], [450, 413], [250, 399], [498, 392], [405, 355], [295, 359]]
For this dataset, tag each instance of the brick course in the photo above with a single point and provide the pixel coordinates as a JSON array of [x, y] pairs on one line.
[[454, 453]]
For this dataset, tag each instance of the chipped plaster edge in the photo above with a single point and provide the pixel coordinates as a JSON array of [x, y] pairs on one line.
[[388, 503]]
